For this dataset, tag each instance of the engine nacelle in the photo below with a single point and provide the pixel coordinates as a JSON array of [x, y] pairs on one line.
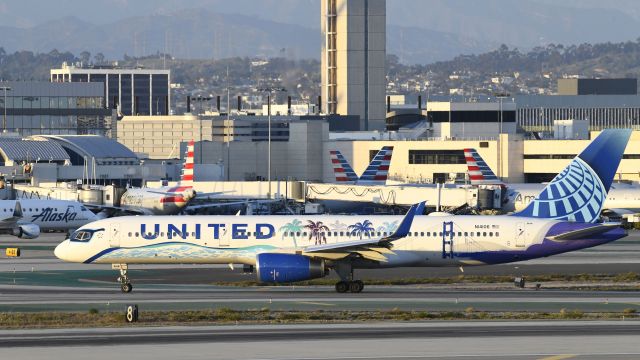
[[284, 268], [27, 231]]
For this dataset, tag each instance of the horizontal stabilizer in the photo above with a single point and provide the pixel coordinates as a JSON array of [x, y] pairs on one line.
[[586, 232]]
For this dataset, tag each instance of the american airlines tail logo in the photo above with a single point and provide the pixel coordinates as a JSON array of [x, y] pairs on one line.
[[187, 170], [479, 171], [49, 215]]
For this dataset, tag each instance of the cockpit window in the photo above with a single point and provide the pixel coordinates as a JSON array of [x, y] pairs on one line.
[[83, 235]]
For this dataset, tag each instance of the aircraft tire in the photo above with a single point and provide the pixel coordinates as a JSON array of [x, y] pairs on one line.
[[356, 286], [342, 286], [126, 288]]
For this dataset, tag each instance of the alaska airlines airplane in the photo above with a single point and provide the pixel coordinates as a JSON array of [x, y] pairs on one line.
[[375, 174], [621, 198], [26, 218], [295, 248]]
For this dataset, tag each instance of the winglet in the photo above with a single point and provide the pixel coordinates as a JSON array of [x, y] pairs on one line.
[[579, 191], [420, 208], [405, 225]]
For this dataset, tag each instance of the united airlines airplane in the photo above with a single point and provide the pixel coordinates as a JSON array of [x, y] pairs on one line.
[[621, 198], [562, 218]]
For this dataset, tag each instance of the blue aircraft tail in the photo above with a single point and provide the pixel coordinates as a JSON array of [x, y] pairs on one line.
[[579, 191]]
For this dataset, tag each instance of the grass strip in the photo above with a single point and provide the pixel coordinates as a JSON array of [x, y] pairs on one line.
[[220, 316]]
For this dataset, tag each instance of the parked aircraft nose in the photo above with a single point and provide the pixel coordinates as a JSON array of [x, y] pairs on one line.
[[189, 194]]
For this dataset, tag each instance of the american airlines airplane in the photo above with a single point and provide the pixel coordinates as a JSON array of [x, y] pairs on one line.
[[26, 218], [284, 249], [375, 174], [621, 199], [170, 200]]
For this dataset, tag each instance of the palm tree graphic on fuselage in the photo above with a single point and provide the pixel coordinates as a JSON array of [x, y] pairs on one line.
[[316, 231], [388, 227], [294, 227], [363, 228]]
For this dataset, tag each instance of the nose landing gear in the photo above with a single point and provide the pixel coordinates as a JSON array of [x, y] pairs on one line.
[[123, 279]]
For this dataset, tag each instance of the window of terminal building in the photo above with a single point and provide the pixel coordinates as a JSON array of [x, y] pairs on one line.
[[550, 156], [436, 157], [538, 178]]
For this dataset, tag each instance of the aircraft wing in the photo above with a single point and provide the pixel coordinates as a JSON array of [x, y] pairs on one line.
[[114, 208], [580, 234], [371, 248]]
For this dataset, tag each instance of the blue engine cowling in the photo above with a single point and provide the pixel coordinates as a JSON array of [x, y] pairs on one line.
[[284, 268]]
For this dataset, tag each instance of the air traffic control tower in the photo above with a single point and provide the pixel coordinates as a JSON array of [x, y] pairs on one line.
[[353, 60]]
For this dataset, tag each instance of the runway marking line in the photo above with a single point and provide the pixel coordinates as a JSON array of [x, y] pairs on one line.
[[559, 357], [315, 303]]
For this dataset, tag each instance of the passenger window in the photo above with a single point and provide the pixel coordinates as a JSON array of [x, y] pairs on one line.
[[491, 233], [484, 234], [421, 233], [137, 234], [298, 233], [497, 234], [459, 233], [441, 233], [341, 233], [379, 234], [129, 234]]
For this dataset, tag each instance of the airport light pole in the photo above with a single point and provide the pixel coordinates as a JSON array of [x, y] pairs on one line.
[[4, 119], [269, 91]]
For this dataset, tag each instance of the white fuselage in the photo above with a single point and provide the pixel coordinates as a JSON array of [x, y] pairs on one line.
[[620, 196], [49, 214], [469, 240], [157, 201]]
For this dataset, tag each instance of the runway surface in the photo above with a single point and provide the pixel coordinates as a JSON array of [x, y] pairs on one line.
[[551, 340], [40, 282], [51, 298]]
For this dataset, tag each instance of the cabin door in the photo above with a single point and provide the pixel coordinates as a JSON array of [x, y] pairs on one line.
[[521, 234], [225, 236], [114, 236]]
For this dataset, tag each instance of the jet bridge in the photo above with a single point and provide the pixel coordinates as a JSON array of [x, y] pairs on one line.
[[446, 195]]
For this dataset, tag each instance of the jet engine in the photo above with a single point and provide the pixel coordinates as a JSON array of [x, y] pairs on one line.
[[284, 268], [27, 231]]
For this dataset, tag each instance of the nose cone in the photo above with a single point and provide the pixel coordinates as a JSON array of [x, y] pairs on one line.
[[62, 251], [189, 194], [71, 252]]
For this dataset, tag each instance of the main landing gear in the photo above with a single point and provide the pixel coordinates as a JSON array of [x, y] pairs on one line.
[[123, 279], [346, 283], [355, 286]]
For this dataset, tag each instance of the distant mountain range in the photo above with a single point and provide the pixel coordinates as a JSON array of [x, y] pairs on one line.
[[419, 31]]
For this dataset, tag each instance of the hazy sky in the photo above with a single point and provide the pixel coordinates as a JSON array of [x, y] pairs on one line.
[[27, 13]]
